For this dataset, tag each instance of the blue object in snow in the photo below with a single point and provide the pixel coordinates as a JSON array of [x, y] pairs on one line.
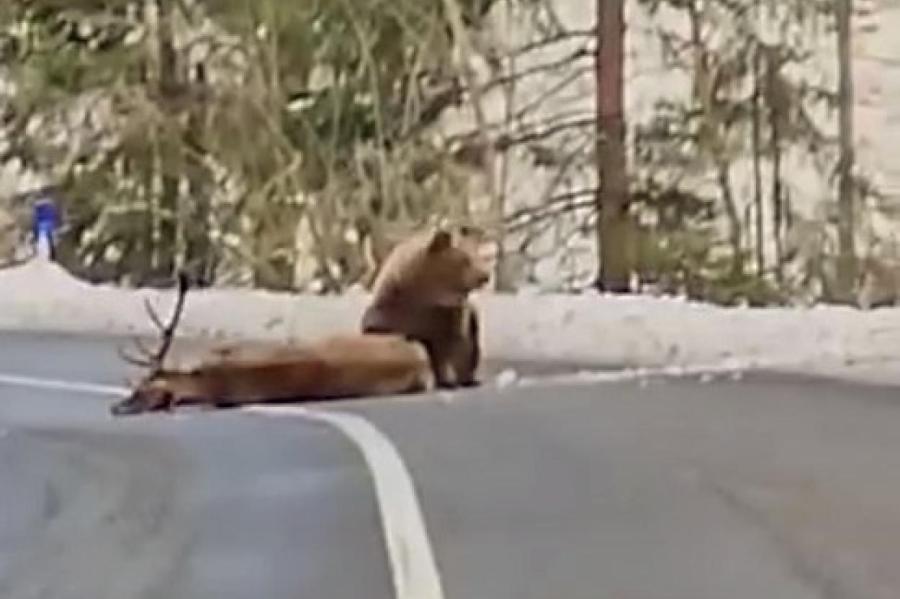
[[45, 221]]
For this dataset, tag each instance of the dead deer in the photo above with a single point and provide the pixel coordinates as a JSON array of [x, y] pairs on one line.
[[335, 367]]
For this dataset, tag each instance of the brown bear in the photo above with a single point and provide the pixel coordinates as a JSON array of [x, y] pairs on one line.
[[422, 292]]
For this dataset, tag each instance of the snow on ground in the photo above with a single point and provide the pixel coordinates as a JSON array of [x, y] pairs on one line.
[[635, 333]]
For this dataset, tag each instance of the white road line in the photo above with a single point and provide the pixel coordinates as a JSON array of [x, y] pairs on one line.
[[413, 568], [59, 385]]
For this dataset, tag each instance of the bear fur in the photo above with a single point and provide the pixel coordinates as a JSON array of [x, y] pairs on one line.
[[422, 292]]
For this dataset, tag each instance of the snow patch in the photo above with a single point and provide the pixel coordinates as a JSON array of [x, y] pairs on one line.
[[506, 378], [642, 334]]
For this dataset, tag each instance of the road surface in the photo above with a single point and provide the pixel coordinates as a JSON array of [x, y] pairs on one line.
[[768, 486]]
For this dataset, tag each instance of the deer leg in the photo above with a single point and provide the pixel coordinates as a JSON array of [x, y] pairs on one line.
[[175, 400], [223, 404], [172, 401]]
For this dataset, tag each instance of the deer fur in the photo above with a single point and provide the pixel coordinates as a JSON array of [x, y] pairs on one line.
[[341, 366]]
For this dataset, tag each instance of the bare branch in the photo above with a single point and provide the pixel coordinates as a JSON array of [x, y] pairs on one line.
[[506, 142], [539, 69], [565, 82], [553, 39], [554, 206]]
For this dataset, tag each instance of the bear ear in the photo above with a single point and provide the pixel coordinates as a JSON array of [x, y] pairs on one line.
[[441, 241]]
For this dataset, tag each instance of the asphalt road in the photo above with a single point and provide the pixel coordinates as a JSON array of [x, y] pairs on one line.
[[769, 486]]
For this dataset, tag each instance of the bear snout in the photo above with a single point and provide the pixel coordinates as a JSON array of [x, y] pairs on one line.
[[482, 278]]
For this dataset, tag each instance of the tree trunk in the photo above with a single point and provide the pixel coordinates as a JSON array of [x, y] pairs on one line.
[[148, 258], [757, 170], [723, 176], [273, 268], [612, 192], [779, 204], [846, 252], [198, 246], [167, 239]]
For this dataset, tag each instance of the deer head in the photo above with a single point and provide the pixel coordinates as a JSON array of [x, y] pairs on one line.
[[152, 392]]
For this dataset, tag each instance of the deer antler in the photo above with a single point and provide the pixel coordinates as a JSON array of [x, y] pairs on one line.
[[154, 359]]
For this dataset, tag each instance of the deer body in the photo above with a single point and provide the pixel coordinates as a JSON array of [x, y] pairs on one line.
[[339, 366]]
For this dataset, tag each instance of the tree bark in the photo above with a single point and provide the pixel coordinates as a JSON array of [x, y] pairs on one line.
[[778, 200], [846, 251], [723, 177], [612, 192], [757, 168], [780, 209], [198, 248], [167, 239]]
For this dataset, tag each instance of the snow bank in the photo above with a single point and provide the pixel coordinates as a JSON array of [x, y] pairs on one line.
[[630, 332], [41, 295]]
